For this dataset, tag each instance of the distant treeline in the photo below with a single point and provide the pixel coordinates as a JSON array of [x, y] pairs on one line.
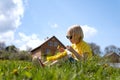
[[11, 52]]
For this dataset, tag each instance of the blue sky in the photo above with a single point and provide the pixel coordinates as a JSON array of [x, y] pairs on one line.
[[26, 23]]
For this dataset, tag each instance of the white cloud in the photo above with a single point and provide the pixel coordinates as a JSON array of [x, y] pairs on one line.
[[7, 36], [11, 12], [89, 31], [28, 41], [53, 25]]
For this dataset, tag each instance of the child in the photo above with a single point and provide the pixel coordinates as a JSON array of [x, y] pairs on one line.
[[77, 51]]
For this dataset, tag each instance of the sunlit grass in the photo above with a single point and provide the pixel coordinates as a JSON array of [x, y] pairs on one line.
[[92, 69]]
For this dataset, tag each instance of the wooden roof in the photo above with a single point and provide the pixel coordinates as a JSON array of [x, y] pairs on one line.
[[47, 41], [111, 53]]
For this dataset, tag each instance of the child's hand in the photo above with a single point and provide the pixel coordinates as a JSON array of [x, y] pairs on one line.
[[60, 49], [70, 48]]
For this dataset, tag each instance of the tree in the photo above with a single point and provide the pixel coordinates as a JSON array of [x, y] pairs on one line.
[[111, 48], [119, 51], [2, 45], [95, 48], [28, 49], [11, 48]]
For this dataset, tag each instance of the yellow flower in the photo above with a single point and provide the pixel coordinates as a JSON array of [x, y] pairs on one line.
[[15, 71], [105, 65]]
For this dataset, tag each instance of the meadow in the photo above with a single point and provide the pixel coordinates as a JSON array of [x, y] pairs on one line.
[[92, 69]]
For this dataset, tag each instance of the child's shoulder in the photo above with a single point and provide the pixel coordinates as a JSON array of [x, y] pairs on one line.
[[84, 43]]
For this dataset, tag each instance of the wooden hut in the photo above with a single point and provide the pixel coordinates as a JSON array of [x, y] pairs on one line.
[[112, 57], [49, 47]]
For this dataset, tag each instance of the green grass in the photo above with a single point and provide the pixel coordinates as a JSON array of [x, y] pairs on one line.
[[93, 69]]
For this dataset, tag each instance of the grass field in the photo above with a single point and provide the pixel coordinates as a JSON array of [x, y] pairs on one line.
[[93, 69]]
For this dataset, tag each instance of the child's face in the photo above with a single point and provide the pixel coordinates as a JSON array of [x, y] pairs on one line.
[[75, 34], [70, 37]]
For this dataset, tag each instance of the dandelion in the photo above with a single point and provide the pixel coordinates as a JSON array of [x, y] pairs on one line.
[[15, 71], [105, 65]]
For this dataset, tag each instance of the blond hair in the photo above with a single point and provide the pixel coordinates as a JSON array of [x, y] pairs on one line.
[[76, 32]]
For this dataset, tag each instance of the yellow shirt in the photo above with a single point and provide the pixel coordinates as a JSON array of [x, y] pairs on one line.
[[81, 48]]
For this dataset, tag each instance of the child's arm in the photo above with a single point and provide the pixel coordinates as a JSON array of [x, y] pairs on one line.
[[57, 56], [77, 55]]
